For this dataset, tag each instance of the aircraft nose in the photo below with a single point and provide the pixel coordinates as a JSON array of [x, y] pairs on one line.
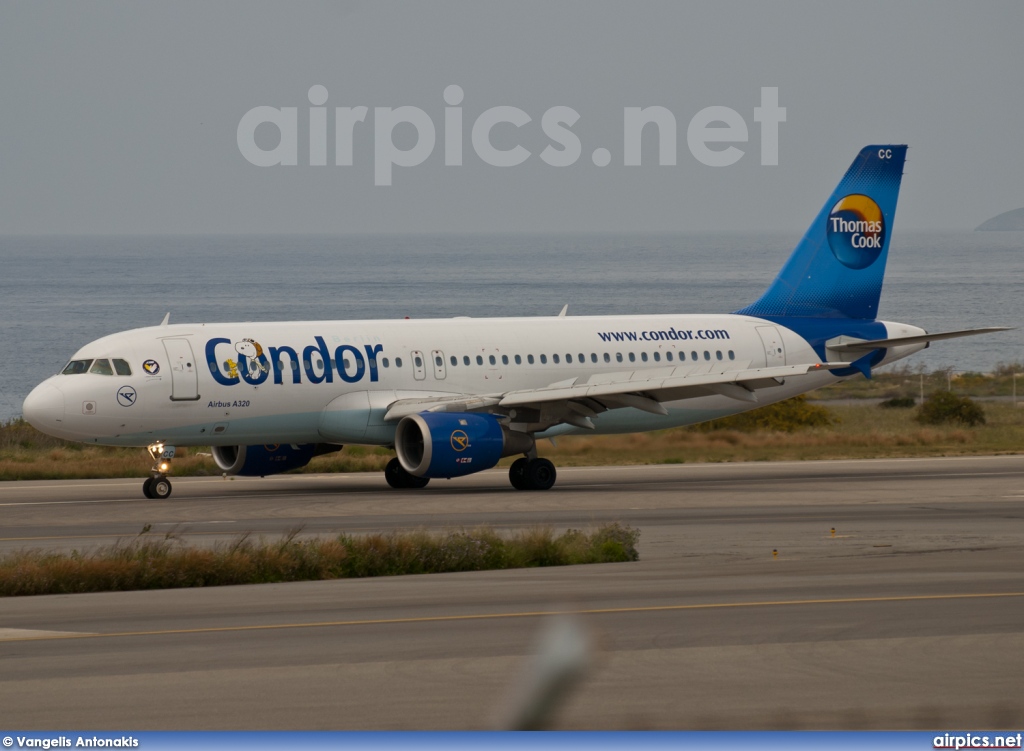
[[44, 407]]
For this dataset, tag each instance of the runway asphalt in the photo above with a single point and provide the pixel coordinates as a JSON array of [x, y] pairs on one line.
[[912, 616]]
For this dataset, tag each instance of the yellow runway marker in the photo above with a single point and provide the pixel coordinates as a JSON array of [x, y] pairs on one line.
[[529, 614]]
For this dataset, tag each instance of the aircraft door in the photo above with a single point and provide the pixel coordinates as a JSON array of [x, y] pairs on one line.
[[495, 362], [437, 357], [184, 373], [774, 350], [419, 368]]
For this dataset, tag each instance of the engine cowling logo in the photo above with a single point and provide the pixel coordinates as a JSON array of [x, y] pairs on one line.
[[460, 441]]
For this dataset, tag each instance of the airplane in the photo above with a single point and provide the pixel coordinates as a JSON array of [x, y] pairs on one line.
[[454, 396]]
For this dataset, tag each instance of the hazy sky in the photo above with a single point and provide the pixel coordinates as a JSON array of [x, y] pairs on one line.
[[122, 117]]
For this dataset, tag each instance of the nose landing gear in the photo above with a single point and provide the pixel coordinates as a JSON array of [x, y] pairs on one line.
[[158, 487]]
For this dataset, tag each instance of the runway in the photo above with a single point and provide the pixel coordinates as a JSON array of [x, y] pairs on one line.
[[911, 616]]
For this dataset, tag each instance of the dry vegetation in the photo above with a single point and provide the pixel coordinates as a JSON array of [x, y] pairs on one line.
[[163, 563], [907, 380]]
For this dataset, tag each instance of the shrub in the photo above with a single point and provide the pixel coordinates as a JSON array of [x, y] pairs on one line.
[[785, 417], [154, 563], [945, 406], [899, 402]]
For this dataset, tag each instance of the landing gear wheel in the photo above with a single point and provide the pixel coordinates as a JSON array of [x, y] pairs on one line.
[[400, 479], [540, 474], [159, 488], [517, 473]]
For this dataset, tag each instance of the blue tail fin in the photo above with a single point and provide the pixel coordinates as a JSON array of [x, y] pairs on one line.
[[836, 270]]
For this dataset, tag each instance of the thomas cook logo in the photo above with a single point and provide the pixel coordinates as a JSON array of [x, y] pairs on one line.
[[856, 231], [152, 367], [460, 441]]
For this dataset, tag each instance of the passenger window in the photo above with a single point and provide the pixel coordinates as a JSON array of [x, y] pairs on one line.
[[504, 359], [438, 361], [491, 360], [76, 367], [398, 362], [465, 359], [418, 361], [385, 362], [582, 358], [455, 360], [657, 357], [519, 360], [555, 359], [718, 354], [643, 356], [479, 360], [693, 355], [732, 355], [543, 359], [707, 355], [101, 367], [668, 356], [593, 357], [122, 368], [618, 357], [607, 357], [529, 359], [568, 357], [632, 357]]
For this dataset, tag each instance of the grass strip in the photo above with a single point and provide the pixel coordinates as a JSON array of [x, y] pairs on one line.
[[147, 563]]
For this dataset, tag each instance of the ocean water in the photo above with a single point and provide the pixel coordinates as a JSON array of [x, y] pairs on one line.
[[58, 293]]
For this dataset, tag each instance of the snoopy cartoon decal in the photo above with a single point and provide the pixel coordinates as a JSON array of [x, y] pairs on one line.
[[252, 350]]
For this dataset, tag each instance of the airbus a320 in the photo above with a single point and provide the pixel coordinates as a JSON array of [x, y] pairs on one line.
[[454, 396]]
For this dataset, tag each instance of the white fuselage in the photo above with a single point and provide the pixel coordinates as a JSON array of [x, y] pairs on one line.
[[332, 381]]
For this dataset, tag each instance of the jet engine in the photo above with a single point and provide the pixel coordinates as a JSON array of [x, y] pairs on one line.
[[452, 444], [268, 459]]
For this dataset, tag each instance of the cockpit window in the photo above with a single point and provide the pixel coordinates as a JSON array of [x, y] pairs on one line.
[[101, 367], [121, 367], [75, 367]]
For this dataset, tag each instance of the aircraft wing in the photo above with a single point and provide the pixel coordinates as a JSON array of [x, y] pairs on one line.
[[575, 401]]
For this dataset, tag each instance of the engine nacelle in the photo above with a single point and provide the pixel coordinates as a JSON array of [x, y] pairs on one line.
[[452, 444], [269, 459]]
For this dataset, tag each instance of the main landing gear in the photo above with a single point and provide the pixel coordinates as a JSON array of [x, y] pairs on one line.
[[531, 474], [400, 479], [158, 487]]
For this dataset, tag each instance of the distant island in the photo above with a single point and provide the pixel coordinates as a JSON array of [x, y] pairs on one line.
[[1009, 220]]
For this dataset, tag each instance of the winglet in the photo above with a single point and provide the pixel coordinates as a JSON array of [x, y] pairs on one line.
[[565, 309], [167, 318]]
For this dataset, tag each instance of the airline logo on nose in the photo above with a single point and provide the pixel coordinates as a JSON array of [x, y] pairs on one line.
[[856, 231]]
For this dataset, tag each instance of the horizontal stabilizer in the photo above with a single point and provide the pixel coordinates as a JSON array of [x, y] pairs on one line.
[[898, 341]]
